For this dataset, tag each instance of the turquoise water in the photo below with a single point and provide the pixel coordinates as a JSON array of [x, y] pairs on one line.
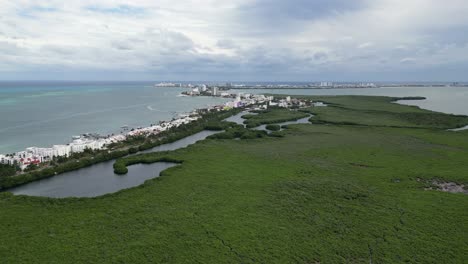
[[43, 114], [76, 183]]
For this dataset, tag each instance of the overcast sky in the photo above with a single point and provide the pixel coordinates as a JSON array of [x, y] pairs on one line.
[[235, 40]]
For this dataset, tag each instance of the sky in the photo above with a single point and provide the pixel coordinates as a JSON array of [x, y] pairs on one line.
[[234, 40]]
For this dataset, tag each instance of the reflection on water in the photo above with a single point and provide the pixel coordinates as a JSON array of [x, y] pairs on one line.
[[182, 143], [459, 129], [304, 120], [99, 179], [96, 180], [238, 118]]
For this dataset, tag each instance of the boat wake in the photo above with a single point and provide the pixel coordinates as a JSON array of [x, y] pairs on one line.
[[149, 107]]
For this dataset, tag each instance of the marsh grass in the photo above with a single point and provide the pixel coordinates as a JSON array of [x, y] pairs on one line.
[[321, 193]]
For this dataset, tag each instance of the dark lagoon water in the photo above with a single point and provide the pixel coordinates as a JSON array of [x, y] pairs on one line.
[[42, 114], [238, 118], [99, 179], [304, 120], [47, 115], [96, 180], [459, 129], [182, 143]]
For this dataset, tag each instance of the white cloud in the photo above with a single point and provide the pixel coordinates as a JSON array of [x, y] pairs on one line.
[[231, 38], [366, 45], [408, 60]]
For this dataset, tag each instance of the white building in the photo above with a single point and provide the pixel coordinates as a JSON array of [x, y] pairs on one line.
[[4, 159], [79, 145], [326, 84], [195, 91], [283, 103], [61, 150]]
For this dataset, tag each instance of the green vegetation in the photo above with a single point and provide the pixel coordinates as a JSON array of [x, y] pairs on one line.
[[239, 132], [273, 127], [120, 166], [8, 170], [322, 193], [130, 146], [218, 126], [272, 116], [380, 111], [69, 165], [277, 134], [31, 167]]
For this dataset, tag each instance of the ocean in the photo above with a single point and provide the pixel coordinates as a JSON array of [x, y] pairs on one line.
[[45, 113]]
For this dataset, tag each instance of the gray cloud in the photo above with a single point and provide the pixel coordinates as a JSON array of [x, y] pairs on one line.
[[238, 39], [271, 17]]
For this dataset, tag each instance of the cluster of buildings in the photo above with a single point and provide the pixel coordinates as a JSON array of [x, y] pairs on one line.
[[347, 85], [246, 99], [206, 90], [295, 103], [326, 84], [163, 126], [221, 86], [168, 84], [36, 155], [217, 89]]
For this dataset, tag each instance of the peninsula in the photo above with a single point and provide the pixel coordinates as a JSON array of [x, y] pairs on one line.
[[368, 179]]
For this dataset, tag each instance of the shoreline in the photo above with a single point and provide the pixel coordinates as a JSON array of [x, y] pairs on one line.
[[315, 183], [155, 134], [99, 156], [96, 141], [19, 142], [126, 148]]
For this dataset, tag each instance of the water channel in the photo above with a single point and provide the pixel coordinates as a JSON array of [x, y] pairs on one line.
[[99, 179]]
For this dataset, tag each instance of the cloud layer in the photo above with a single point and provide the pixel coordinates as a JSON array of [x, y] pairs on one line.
[[272, 40]]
